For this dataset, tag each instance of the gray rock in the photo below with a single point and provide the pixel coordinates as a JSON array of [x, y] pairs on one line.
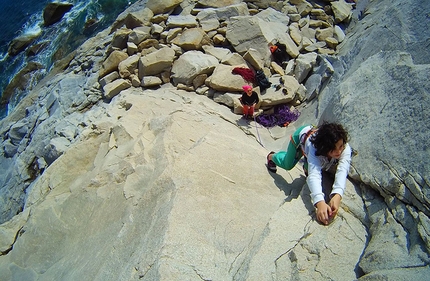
[[208, 19], [128, 66], [225, 13], [55, 11], [244, 33], [234, 59], [218, 3], [133, 19], [120, 38], [137, 165], [181, 21], [156, 62], [219, 53], [114, 88], [151, 81], [222, 79], [192, 39], [192, 64], [312, 86], [304, 65], [10, 149], [284, 95], [138, 34], [112, 62], [18, 131], [132, 48], [271, 15], [162, 6], [109, 78], [56, 148], [19, 44], [342, 10], [339, 34], [254, 58]]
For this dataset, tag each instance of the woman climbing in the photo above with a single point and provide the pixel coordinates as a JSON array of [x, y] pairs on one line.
[[323, 147]]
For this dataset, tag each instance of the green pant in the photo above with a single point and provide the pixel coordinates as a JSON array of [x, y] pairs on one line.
[[288, 159]]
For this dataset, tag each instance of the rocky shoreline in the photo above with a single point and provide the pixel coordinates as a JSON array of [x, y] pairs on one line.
[[130, 149], [147, 49]]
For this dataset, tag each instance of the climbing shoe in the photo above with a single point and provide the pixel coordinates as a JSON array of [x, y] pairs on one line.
[[271, 166]]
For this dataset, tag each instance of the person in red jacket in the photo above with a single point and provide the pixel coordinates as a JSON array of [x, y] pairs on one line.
[[249, 100]]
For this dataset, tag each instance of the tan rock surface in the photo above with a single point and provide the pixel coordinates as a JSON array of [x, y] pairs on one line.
[[149, 198]]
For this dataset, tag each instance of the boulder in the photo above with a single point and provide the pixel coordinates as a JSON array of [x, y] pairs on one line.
[[252, 32], [131, 20], [342, 10], [192, 39], [247, 32], [338, 33], [109, 78], [254, 58], [225, 13], [20, 81], [138, 34], [132, 48], [218, 3], [271, 15], [323, 33], [120, 38], [304, 65], [222, 79], [199, 80], [55, 11], [208, 20], [295, 34], [18, 131], [285, 94], [135, 81], [156, 62], [181, 21], [219, 53], [128, 66], [162, 6], [234, 59], [112, 62], [191, 64], [114, 88], [37, 48], [151, 81], [19, 44], [303, 7], [219, 40]]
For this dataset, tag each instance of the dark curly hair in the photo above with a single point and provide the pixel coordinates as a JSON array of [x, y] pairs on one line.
[[325, 139]]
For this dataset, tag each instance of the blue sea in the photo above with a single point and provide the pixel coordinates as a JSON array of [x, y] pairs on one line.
[[26, 17]]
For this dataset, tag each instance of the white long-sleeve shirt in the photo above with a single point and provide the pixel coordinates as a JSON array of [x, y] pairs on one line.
[[318, 163]]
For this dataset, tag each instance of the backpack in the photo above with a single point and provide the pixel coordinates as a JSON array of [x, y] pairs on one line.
[[279, 53], [261, 80]]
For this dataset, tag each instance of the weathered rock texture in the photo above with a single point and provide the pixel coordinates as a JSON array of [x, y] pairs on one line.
[[104, 179]]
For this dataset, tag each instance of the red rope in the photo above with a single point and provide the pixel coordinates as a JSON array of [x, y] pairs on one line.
[[246, 73]]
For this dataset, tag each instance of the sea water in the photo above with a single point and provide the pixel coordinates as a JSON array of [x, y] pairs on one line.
[[21, 17]]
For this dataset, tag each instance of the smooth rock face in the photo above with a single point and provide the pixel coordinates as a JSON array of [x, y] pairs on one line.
[[123, 176], [171, 201]]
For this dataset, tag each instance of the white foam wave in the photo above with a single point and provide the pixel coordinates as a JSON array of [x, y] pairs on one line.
[[3, 56]]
